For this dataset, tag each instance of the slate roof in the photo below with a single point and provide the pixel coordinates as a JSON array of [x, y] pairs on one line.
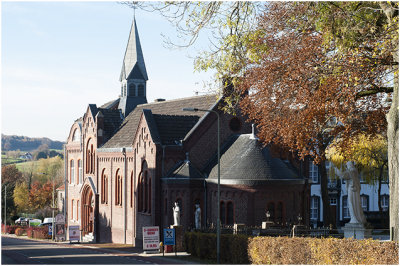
[[244, 158], [111, 104], [172, 128], [126, 132], [185, 169], [133, 58], [112, 120]]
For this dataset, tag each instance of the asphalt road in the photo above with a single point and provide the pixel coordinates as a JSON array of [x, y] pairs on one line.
[[27, 251]]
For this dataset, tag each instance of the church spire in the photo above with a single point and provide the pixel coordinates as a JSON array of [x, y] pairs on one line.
[[133, 74]]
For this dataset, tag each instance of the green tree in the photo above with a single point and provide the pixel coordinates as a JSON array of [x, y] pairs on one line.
[[10, 176], [21, 197]]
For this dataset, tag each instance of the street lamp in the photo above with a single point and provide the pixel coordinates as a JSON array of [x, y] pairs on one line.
[[219, 174]]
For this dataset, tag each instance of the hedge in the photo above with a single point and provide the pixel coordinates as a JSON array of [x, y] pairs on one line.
[[285, 250], [203, 245], [19, 231]]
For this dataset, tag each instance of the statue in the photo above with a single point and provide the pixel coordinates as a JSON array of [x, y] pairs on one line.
[[197, 217], [177, 214], [353, 193]]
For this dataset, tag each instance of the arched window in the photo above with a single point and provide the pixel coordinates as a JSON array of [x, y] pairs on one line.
[[118, 188], [80, 172], [144, 190], [132, 90], [73, 209], [222, 212], [229, 213], [271, 209], [132, 189], [124, 89], [89, 157], [141, 90], [72, 172], [140, 193], [77, 210], [104, 187]]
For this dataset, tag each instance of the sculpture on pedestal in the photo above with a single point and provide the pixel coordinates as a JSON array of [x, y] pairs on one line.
[[353, 193], [197, 217], [177, 214]]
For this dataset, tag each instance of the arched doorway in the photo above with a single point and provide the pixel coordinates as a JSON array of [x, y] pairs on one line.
[[87, 210]]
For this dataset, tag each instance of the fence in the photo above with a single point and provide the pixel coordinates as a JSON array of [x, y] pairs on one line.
[[295, 230]]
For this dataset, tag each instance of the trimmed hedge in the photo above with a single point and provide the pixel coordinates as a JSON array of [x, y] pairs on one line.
[[285, 250], [204, 246]]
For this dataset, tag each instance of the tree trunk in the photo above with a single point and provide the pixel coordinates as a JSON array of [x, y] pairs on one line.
[[324, 194], [393, 134], [379, 194]]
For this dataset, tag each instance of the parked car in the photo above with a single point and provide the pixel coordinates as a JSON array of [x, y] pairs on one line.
[[21, 221], [46, 224]]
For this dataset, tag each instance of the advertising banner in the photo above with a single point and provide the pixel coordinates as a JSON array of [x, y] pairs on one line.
[[151, 238]]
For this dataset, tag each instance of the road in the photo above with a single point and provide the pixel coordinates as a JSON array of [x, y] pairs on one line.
[[27, 251]]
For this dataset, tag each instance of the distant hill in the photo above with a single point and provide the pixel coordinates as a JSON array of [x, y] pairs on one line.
[[12, 143]]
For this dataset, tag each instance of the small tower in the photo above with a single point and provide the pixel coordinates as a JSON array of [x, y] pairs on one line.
[[133, 74]]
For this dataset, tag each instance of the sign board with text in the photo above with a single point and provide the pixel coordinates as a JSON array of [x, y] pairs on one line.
[[169, 236], [151, 238]]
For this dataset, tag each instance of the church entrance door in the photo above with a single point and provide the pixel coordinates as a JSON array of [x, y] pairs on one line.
[[87, 210]]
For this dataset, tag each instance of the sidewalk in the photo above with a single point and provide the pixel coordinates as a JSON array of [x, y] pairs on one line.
[[113, 248]]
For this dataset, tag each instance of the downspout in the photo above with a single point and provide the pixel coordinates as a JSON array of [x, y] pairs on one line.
[[205, 204], [124, 153], [134, 196]]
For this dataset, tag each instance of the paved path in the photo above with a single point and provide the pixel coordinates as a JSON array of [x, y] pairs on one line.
[[20, 250]]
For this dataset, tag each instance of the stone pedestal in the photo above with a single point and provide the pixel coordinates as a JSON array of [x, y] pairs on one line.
[[179, 237], [237, 228], [266, 225], [356, 231]]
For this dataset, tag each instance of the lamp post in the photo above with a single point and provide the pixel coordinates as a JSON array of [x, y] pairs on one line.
[[219, 174]]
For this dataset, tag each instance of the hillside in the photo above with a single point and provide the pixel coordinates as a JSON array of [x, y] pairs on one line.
[[12, 143]]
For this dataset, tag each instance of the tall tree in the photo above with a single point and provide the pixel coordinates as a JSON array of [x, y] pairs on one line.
[[10, 176]]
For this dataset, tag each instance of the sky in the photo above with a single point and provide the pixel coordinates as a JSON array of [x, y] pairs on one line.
[[58, 57]]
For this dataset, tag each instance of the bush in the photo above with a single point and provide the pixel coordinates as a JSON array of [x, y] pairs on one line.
[[284, 250], [203, 245], [41, 232], [19, 231], [11, 228], [29, 232]]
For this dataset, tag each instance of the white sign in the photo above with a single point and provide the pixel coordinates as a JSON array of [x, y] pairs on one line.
[[151, 238], [74, 233]]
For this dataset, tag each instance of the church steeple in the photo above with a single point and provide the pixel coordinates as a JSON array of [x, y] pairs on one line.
[[133, 74]]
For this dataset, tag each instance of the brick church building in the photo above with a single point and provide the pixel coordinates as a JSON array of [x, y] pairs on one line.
[[128, 161]]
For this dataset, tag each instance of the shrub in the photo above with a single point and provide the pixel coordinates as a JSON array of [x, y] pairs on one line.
[[203, 245], [284, 250], [19, 231], [11, 228], [29, 232], [41, 232]]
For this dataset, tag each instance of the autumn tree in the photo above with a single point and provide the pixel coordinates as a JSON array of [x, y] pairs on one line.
[[21, 197], [370, 156], [40, 195]]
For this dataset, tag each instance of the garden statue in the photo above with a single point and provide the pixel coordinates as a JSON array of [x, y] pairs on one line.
[[177, 214], [197, 217], [353, 193]]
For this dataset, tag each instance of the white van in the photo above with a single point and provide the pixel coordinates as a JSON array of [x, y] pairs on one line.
[[48, 220]]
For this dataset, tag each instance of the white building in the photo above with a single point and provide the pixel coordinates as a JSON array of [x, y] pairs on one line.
[[338, 198]]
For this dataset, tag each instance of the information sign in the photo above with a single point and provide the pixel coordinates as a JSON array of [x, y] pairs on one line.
[[151, 238], [50, 229], [74, 233], [169, 236]]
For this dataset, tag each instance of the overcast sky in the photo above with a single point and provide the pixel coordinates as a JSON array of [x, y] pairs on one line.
[[57, 57]]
